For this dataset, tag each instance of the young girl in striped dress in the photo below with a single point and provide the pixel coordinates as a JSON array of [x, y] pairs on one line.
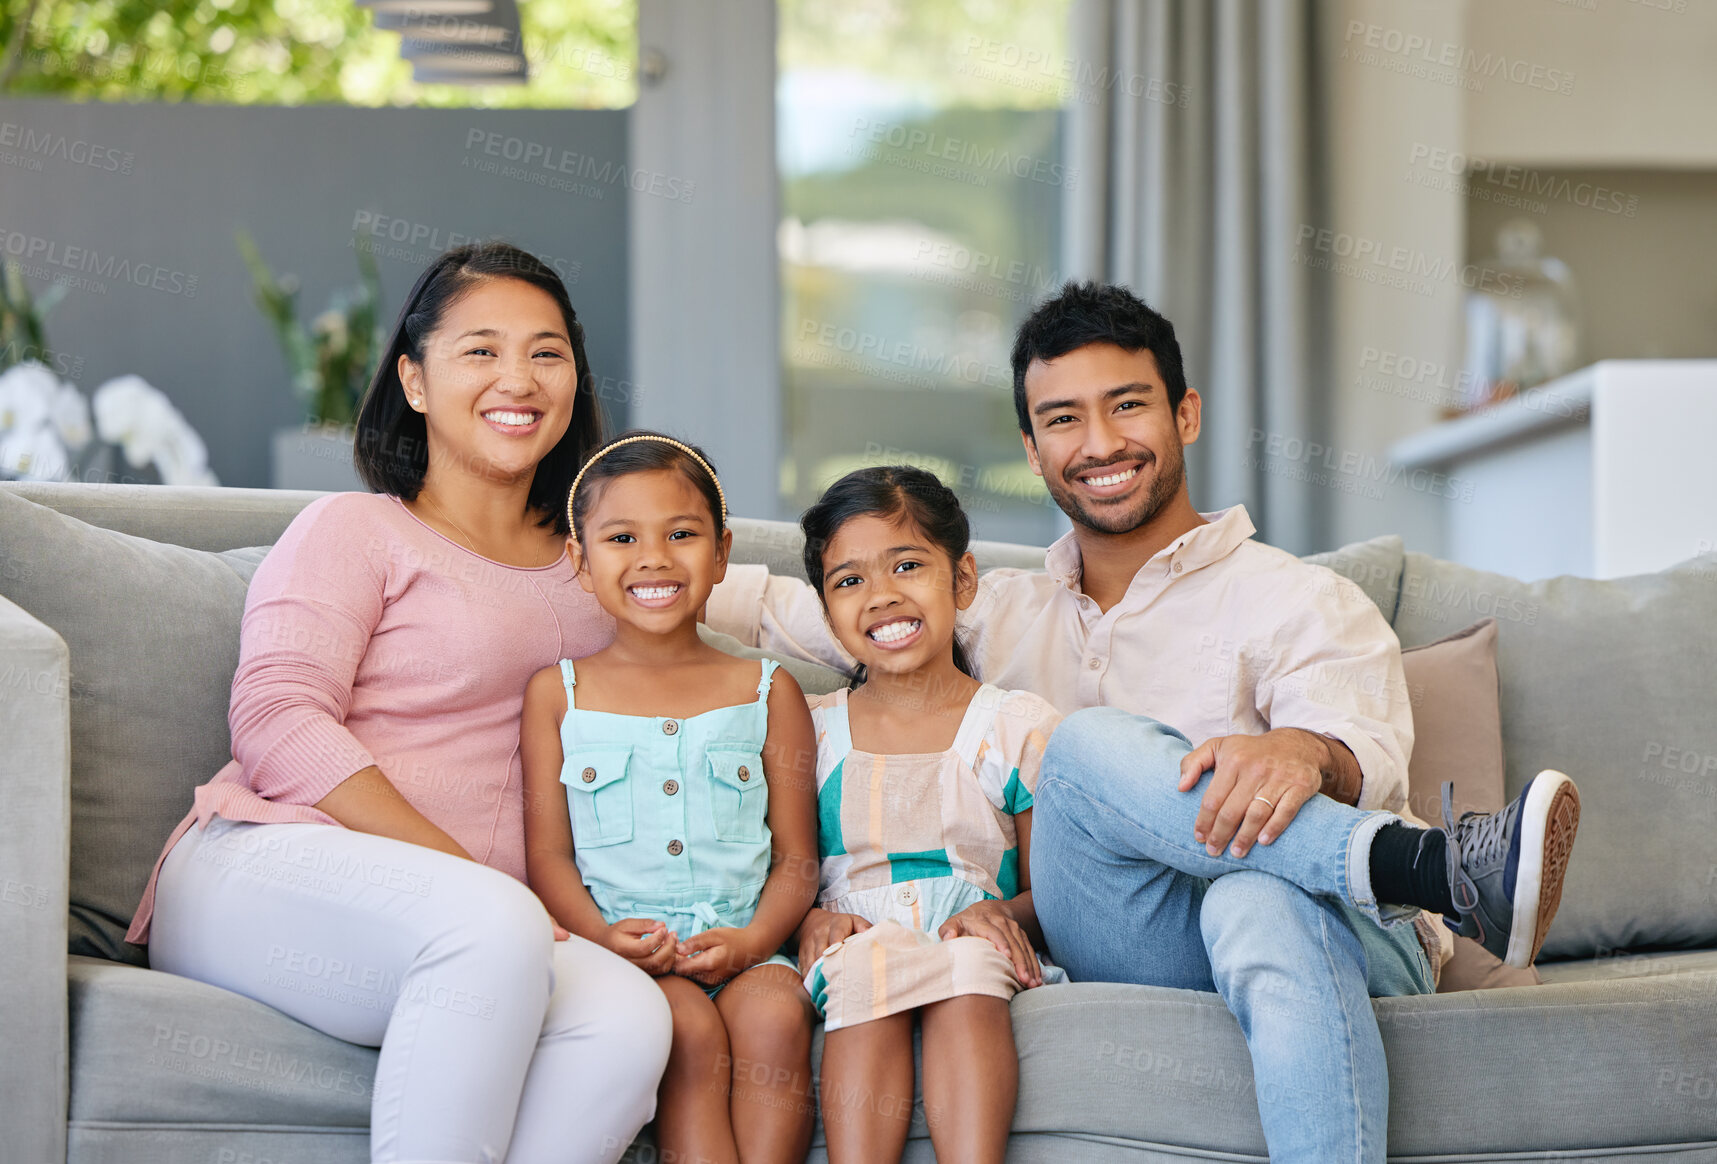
[[925, 780]]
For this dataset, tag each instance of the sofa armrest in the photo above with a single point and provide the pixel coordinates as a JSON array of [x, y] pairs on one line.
[[35, 853]]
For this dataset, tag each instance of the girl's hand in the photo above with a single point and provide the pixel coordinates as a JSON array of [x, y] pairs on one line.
[[714, 956], [560, 935], [992, 921], [823, 928], [648, 945]]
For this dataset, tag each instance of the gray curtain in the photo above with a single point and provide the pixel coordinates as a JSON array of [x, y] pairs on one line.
[[1200, 151]]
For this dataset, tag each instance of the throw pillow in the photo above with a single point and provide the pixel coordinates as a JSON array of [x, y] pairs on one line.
[[1612, 681], [1457, 737], [1375, 566], [152, 630]]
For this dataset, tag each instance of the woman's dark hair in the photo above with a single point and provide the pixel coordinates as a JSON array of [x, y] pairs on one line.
[[630, 455], [891, 492], [1081, 314], [391, 445]]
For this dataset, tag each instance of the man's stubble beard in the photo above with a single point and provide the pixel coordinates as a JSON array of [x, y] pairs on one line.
[[1163, 489]]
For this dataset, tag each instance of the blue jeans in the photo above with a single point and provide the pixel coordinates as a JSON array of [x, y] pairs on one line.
[[1290, 936]]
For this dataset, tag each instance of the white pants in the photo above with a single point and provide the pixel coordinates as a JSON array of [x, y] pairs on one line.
[[497, 1042]]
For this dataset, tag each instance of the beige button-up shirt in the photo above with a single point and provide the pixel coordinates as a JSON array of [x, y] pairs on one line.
[[1217, 635]]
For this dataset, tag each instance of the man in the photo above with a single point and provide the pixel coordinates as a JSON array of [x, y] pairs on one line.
[[1159, 863]]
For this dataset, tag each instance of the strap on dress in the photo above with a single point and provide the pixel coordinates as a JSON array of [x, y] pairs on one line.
[[975, 727], [769, 666], [568, 680]]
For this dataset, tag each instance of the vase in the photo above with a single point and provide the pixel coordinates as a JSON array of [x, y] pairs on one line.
[[315, 457]]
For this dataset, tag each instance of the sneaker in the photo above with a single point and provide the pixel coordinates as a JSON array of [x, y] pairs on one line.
[[1506, 868]]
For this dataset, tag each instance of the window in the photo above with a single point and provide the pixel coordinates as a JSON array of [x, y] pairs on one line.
[[920, 151]]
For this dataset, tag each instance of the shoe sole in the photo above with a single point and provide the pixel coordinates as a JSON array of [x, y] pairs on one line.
[[1549, 819]]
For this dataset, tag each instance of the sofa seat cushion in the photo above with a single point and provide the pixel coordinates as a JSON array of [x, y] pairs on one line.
[[1101, 1066], [1663, 963], [1483, 1073], [154, 1048]]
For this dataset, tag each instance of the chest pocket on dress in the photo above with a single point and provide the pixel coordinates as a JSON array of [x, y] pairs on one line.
[[739, 798], [598, 795]]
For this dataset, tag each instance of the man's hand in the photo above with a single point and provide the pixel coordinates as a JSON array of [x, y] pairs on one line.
[[1260, 783], [821, 929], [648, 945], [992, 921]]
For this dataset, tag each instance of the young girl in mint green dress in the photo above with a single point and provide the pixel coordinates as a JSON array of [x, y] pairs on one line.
[[670, 806]]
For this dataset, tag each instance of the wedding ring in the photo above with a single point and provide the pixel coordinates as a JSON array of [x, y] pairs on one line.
[[1266, 800]]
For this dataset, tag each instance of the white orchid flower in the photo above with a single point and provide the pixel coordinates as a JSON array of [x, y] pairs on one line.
[[138, 417], [34, 454], [71, 417], [27, 393]]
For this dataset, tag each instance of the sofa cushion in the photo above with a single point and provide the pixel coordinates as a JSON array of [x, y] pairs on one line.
[[152, 630], [813, 678], [201, 517], [1611, 966], [1612, 682], [208, 1056], [1457, 723], [1457, 739], [1374, 565], [1146, 1067], [1102, 1066]]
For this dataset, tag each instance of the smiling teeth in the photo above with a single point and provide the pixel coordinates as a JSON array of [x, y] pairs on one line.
[[1112, 478], [514, 418], [894, 631], [652, 593]]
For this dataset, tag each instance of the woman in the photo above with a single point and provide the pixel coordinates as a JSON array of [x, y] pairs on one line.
[[360, 863]]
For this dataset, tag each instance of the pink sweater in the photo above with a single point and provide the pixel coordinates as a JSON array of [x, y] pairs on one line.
[[369, 638]]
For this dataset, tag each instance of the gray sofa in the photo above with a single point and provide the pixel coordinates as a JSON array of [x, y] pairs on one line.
[[117, 650]]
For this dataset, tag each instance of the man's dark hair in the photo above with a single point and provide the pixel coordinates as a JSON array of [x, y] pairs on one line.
[[1095, 313], [391, 445]]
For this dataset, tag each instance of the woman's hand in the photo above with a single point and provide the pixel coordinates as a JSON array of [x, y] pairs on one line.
[[823, 928], [714, 956], [648, 945], [993, 921]]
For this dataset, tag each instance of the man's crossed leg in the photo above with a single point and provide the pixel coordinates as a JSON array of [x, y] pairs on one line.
[[1291, 936]]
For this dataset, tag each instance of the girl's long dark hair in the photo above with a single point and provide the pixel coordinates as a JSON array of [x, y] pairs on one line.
[[391, 446], [890, 492]]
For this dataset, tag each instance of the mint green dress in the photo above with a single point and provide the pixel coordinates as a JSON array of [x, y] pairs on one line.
[[670, 816]]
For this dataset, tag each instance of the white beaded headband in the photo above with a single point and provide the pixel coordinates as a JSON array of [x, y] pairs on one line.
[[649, 436]]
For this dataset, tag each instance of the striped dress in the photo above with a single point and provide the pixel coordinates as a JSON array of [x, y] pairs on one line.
[[908, 841]]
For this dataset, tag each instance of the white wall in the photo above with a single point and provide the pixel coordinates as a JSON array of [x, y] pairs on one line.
[[1643, 86]]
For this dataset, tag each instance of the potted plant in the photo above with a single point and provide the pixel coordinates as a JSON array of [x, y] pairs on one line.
[[331, 361], [23, 333]]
